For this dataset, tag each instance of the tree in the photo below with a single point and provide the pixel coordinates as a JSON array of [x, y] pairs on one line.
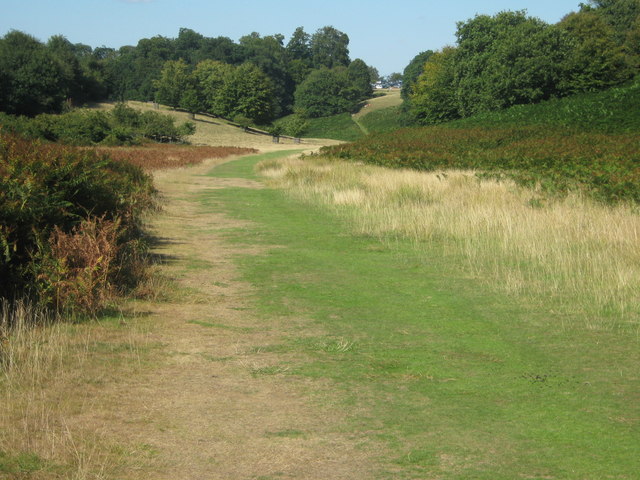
[[269, 55], [248, 92], [173, 81], [374, 74], [433, 96], [32, 80], [412, 72], [329, 48], [325, 92], [359, 78], [505, 60], [210, 77], [72, 76], [187, 46], [298, 53], [595, 60], [298, 47]]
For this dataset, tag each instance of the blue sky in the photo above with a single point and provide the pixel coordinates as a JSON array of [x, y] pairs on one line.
[[386, 34]]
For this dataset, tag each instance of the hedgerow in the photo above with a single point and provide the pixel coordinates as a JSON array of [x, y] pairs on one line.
[[70, 224]]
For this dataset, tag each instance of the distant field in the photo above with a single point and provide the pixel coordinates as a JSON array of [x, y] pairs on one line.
[[390, 98]]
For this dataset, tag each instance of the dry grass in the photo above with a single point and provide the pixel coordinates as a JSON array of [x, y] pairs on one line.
[[217, 131], [50, 375], [580, 255], [163, 156]]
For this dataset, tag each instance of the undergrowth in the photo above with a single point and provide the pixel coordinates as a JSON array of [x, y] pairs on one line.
[[589, 143]]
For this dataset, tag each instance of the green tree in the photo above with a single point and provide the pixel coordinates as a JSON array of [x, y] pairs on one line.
[[325, 92], [595, 60], [269, 55], [412, 72], [211, 76], [359, 77], [329, 48], [32, 80], [173, 81], [505, 60], [298, 53], [72, 75], [248, 92], [433, 95]]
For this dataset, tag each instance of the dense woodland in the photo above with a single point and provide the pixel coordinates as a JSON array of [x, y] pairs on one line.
[[259, 78], [514, 59]]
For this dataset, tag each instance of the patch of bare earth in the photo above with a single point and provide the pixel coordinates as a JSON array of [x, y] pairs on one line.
[[218, 403]]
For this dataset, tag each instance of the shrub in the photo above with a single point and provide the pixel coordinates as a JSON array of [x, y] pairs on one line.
[[54, 198]]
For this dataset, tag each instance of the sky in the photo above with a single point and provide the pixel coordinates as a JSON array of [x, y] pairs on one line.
[[386, 34]]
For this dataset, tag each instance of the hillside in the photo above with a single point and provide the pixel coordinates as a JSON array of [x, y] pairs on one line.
[[217, 131], [588, 142]]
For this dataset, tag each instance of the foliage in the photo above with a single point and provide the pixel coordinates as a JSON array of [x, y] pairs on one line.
[[52, 199], [616, 110], [329, 48], [595, 61], [327, 92], [412, 72], [505, 60], [210, 77], [434, 98], [292, 125], [359, 78], [173, 81], [588, 143], [513, 59], [120, 126], [32, 80], [385, 119], [249, 93]]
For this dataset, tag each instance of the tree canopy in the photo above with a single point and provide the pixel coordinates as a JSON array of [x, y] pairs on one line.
[[511, 58]]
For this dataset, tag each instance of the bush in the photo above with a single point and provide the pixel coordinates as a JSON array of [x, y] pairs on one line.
[[292, 125], [58, 202], [121, 126]]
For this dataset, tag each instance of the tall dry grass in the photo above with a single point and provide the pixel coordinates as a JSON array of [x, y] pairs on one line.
[[572, 253], [49, 378]]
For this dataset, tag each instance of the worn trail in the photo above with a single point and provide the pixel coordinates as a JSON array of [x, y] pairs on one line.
[[216, 406]]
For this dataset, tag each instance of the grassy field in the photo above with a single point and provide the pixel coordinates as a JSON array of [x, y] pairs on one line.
[[457, 377]]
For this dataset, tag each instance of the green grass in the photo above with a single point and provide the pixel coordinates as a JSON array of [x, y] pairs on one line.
[[616, 110], [384, 120], [23, 465], [455, 380], [336, 127]]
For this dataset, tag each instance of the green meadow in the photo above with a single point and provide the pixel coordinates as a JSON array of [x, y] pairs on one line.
[[454, 379]]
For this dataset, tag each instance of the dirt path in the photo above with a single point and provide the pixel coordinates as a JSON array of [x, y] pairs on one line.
[[217, 405]]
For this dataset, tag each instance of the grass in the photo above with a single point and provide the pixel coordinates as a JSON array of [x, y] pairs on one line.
[[612, 111], [383, 120], [337, 127], [162, 156], [51, 373], [456, 377]]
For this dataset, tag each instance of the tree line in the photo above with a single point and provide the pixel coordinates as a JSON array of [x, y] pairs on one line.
[[259, 77], [512, 58]]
